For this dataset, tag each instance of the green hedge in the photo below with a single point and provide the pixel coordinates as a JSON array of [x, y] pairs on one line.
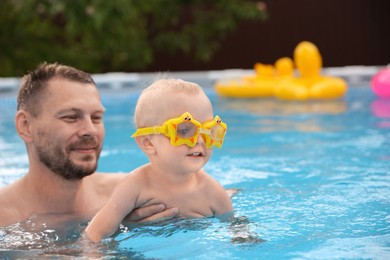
[[114, 35]]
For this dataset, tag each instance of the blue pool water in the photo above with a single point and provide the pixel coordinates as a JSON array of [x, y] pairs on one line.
[[313, 178]]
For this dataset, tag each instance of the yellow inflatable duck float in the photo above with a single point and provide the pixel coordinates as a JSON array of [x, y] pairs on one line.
[[262, 84], [279, 81], [310, 84], [259, 85]]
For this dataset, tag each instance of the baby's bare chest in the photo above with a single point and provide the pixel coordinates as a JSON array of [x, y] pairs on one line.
[[191, 204]]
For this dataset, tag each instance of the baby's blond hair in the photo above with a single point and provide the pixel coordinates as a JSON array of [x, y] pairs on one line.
[[152, 100]]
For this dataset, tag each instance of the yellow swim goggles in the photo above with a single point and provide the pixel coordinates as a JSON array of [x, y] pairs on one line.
[[185, 130]]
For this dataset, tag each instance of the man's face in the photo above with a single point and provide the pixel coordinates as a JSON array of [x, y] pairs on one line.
[[68, 133]]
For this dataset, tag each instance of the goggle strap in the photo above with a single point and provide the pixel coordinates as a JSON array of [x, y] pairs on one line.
[[153, 130]]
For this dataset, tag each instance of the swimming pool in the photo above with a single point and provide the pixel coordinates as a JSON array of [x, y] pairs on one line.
[[313, 178]]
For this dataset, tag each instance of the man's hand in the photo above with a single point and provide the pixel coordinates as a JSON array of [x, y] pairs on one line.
[[152, 213]]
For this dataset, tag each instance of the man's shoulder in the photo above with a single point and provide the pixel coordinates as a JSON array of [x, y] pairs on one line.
[[9, 212], [105, 181], [106, 177], [6, 196]]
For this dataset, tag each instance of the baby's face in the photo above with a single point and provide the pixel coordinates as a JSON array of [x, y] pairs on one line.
[[183, 157]]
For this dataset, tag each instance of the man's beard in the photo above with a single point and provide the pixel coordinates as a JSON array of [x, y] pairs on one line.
[[59, 162]]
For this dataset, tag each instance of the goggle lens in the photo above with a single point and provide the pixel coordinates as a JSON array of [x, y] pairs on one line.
[[217, 133], [186, 130]]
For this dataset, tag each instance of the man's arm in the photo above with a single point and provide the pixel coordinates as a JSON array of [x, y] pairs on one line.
[[152, 213]]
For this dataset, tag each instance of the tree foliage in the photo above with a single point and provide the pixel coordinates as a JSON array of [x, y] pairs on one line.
[[118, 35]]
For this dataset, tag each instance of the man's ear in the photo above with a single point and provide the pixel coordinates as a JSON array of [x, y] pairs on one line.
[[146, 144], [22, 124]]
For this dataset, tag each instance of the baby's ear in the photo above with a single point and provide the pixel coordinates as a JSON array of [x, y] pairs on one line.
[[145, 143]]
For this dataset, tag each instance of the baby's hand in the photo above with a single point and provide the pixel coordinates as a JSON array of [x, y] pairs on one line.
[[231, 192], [242, 233], [89, 248], [85, 240]]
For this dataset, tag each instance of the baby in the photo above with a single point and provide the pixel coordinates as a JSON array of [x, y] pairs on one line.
[[176, 129]]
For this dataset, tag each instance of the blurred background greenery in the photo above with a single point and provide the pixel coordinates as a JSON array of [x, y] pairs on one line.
[[120, 35], [101, 36]]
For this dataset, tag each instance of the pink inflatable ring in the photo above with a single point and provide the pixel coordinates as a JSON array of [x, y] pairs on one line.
[[380, 83]]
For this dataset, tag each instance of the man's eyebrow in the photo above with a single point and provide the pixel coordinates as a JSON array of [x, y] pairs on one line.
[[77, 111], [69, 110]]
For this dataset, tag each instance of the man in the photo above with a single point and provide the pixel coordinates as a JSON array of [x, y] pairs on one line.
[[60, 119]]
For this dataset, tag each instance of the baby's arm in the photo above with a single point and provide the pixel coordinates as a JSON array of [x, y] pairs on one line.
[[121, 202], [221, 202]]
